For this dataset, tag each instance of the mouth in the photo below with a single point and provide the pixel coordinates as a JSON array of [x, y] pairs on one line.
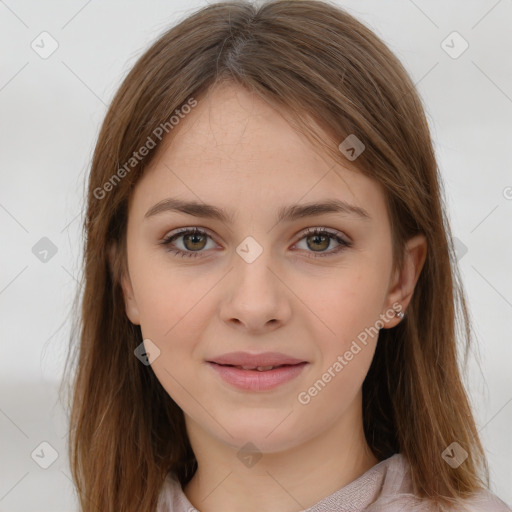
[[256, 368], [257, 378]]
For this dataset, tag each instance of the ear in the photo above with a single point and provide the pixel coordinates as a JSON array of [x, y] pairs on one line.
[[121, 275], [404, 280]]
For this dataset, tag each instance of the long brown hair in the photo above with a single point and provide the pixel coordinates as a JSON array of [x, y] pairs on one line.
[[313, 61]]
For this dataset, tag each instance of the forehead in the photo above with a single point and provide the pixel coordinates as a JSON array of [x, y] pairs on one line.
[[236, 151]]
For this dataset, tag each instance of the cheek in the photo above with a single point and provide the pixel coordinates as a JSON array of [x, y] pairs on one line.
[[175, 325], [173, 317], [349, 303], [175, 310], [346, 348], [169, 298]]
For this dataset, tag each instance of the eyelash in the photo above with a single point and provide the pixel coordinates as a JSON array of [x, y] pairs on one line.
[[344, 244]]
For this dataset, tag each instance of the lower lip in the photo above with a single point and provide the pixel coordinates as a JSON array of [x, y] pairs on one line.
[[253, 380]]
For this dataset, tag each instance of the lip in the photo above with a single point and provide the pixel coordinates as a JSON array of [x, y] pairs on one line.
[[254, 380], [262, 359]]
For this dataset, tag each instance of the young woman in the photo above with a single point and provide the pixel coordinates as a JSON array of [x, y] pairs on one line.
[[270, 298]]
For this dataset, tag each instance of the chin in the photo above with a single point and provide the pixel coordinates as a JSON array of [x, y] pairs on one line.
[[267, 434]]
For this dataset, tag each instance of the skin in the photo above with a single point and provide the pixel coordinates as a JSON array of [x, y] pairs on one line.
[[236, 152]]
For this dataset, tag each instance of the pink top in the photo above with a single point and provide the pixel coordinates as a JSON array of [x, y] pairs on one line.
[[386, 487]]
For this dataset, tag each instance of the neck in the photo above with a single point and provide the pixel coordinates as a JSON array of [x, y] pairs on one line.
[[284, 481]]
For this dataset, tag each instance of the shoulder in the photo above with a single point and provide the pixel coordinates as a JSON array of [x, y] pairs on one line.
[[485, 501], [172, 497], [397, 494]]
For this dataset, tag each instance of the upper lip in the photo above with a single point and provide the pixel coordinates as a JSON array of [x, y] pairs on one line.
[[262, 359]]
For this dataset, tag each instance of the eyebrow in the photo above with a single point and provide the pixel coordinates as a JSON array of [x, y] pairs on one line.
[[285, 214]]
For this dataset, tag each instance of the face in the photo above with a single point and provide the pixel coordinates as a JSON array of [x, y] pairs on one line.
[[257, 282]]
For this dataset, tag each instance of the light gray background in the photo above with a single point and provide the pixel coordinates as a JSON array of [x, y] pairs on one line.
[[51, 110]]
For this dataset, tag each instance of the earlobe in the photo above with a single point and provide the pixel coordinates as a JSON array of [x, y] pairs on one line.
[[404, 283], [121, 274]]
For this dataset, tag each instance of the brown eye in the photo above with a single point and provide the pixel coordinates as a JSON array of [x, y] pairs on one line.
[[318, 242], [194, 241]]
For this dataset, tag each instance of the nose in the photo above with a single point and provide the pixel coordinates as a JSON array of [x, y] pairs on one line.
[[255, 296]]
